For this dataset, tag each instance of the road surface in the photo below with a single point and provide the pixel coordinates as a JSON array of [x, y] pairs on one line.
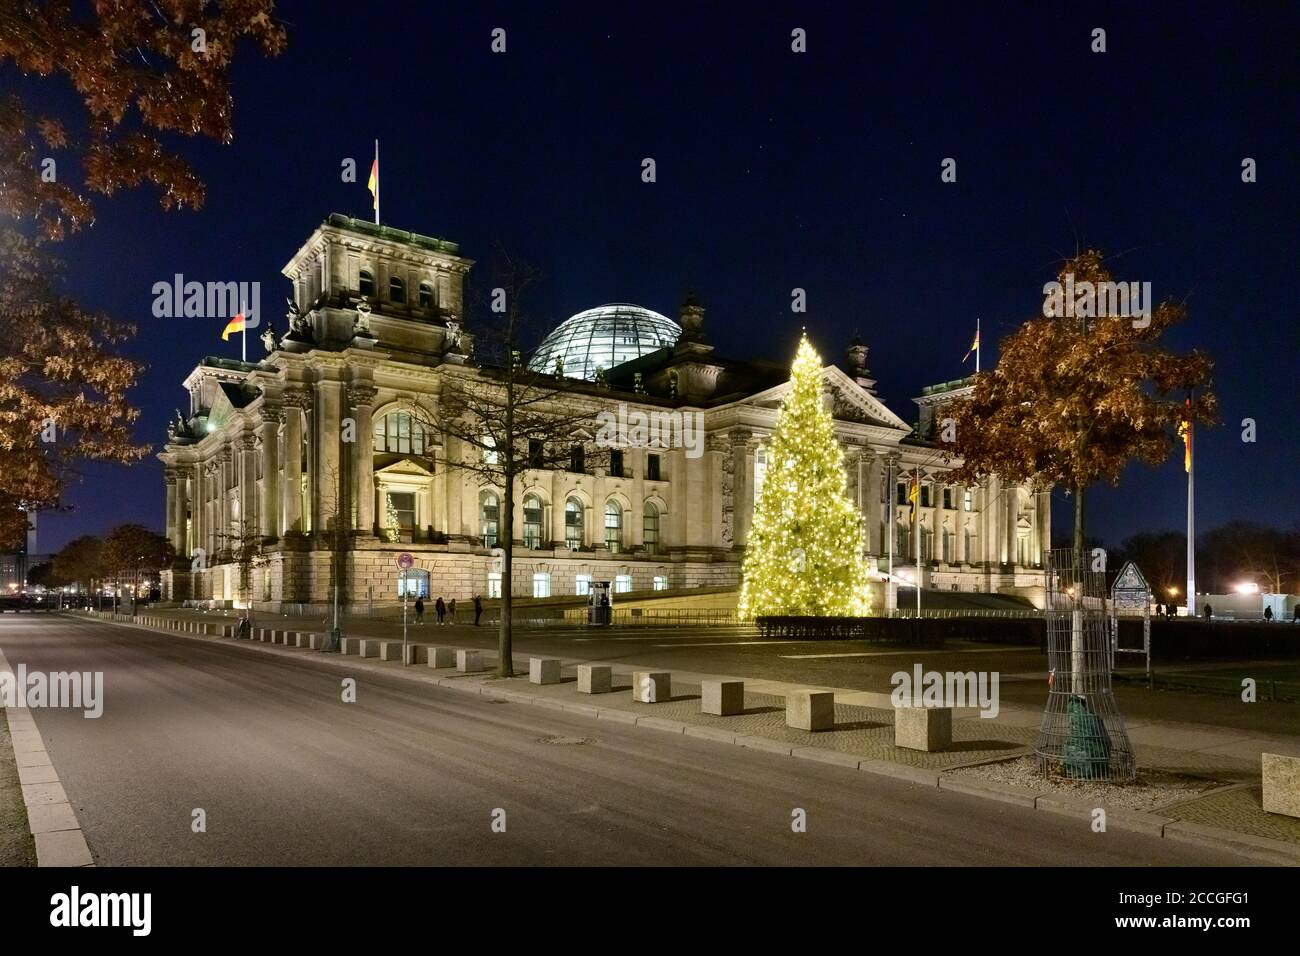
[[288, 773]]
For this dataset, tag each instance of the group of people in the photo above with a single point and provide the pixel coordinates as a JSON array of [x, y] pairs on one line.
[[447, 608]]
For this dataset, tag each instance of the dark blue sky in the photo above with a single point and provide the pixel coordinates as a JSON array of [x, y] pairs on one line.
[[775, 170]]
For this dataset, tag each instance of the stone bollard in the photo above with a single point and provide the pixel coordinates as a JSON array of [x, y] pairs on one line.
[[414, 654], [652, 687], [368, 647], [923, 728], [467, 662], [440, 657], [595, 678], [314, 641], [722, 698], [1281, 777], [390, 650], [543, 670], [349, 645], [810, 710]]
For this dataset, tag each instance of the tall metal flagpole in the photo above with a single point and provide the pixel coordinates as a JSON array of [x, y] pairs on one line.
[[916, 513], [891, 593], [376, 182], [1191, 516], [243, 336], [977, 345]]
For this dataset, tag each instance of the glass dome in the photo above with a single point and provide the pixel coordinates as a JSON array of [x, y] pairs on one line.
[[603, 337]]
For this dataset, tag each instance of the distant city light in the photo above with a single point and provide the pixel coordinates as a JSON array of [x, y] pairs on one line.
[[1247, 587]]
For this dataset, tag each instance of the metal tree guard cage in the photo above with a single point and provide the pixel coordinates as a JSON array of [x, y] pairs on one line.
[[1082, 734]]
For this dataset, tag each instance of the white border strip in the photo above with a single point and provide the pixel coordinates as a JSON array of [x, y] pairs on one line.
[[50, 817]]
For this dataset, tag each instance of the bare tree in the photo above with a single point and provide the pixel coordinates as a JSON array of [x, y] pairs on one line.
[[509, 418]]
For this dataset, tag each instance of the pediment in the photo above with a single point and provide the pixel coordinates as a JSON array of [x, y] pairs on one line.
[[405, 467], [849, 401]]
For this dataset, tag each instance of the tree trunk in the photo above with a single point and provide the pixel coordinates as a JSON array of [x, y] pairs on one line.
[[505, 538]]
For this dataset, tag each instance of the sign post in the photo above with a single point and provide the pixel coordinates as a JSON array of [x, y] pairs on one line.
[[405, 562], [1130, 592]]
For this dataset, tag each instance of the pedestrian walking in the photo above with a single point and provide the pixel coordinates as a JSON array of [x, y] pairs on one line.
[[451, 610], [1268, 614], [419, 610], [478, 609], [441, 608]]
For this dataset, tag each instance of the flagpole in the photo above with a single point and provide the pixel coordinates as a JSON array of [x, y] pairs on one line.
[[376, 182], [1191, 516], [243, 333], [977, 345], [916, 512]]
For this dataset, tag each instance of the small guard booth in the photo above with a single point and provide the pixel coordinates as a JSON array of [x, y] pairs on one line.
[[600, 606]]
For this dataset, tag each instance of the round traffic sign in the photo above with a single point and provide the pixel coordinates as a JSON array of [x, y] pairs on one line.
[[405, 560]]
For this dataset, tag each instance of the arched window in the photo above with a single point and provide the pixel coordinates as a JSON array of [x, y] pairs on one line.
[[399, 433], [489, 508], [426, 295], [366, 283], [573, 536], [613, 526], [532, 522], [396, 290], [650, 532]]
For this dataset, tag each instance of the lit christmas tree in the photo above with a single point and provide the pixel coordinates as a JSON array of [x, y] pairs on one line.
[[804, 553]]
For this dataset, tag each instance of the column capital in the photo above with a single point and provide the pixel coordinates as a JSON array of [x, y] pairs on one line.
[[361, 394], [300, 398]]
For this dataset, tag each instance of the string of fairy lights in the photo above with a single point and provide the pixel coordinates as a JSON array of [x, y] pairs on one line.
[[804, 553]]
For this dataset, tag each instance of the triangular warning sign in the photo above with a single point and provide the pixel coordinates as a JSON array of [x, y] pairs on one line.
[[1130, 579]]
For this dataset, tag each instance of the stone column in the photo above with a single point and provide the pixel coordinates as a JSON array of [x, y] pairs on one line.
[[328, 491], [170, 479], [247, 487], [742, 484], [294, 404], [871, 467], [181, 540], [224, 486], [361, 399], [269, 512]]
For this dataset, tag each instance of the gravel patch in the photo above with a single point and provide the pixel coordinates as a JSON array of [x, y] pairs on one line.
[[1152, 790]]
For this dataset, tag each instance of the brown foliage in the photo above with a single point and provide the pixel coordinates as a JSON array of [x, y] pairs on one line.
[[1072, 402], [134, 65]]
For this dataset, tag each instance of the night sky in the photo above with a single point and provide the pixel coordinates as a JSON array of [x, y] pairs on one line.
[[775, 171]]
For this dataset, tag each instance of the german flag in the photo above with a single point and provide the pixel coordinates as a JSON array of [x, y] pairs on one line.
[[373, 183], [914, 492], [974, 346], [234, 325]]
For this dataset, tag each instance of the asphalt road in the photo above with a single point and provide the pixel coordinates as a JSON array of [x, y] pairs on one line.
[[288, 773]]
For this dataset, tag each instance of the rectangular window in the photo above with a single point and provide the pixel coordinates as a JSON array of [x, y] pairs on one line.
[[578, 460], [541, 585], [925, 496], [536, 453], [494, 584], [583, 585], [652, 468], [616, 464], [661, 583], [947, 498], [401, 511], [622, 583], [490, 455], [968, 500], [902, 493]]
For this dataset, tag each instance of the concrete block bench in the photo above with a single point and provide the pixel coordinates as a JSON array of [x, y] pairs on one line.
[[368, 647], [1281, 784], [314, 641], [440, 657], [543, 670], [652, 687], [390, 650], [923, 728], [469, 662], [810, 710], [595, 678], [722, 698], [415, 654], [349, 645]]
